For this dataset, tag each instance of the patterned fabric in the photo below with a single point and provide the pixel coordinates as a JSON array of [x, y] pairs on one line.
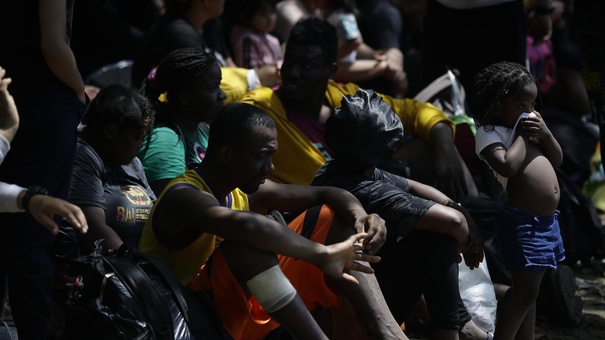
[[382, 193]]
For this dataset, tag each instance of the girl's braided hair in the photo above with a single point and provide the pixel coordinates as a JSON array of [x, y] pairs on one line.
[[122, 106], [180, 70], [494, 86]]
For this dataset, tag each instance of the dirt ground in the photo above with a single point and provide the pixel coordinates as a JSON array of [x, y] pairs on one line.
[[590, 280]]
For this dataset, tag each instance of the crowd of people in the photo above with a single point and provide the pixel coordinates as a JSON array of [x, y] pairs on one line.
[[237, 109]]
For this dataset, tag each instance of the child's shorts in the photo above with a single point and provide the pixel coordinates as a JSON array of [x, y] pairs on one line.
[[526, 241]]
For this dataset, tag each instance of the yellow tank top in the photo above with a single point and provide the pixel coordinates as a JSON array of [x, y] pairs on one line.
[[186, 262]]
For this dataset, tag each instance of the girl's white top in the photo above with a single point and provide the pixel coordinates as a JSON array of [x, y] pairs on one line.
[[490, 134]]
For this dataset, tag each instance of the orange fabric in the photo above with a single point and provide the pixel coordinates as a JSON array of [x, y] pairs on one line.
[[244, 318]]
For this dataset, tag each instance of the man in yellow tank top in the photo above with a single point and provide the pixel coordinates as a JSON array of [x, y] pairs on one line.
[[202, 219]]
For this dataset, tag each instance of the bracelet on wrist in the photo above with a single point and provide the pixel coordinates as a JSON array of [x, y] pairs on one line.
[[31, 192]]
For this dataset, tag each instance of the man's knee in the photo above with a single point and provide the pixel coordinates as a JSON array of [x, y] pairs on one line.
[[245, 261], [272, 289]]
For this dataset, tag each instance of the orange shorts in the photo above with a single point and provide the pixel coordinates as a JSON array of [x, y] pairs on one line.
[[243, 317]]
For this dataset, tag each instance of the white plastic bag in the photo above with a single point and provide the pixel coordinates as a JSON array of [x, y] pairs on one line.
[[477, 292]]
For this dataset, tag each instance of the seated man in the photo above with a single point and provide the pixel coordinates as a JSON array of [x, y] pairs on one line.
[[202, 219], [426, 230], [307, 98]]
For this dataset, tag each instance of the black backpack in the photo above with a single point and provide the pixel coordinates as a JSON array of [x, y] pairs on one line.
[[130, 295]]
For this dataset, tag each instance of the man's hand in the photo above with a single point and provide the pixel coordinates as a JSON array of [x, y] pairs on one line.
[[343, 256], [9, 117], [473, 250], [268, 74], [44, 208], [376, 229]]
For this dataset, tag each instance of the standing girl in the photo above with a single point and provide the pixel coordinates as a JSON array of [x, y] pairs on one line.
[[514, 141]]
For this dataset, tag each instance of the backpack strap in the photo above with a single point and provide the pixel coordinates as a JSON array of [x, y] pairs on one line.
[[175, 286], [205, 323], [139, 285]]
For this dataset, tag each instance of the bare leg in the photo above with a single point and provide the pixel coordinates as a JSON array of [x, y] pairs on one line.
[[500, 290], [245, 263], [518, 307], [366, 296], [471, 331], [528, 327]]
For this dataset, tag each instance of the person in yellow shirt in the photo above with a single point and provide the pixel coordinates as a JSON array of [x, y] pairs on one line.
[[307, 97]]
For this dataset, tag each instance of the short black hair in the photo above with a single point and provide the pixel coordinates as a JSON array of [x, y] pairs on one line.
[[234, 123], [315, 31]]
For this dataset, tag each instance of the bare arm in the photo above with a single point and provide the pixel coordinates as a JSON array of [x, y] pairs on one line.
[[186, 211], [463, 230], [359, 70], [9, 117], [98, 229], [296, 198], [348, 47], [57, 53], [451, 172], [535, 128], [506, 162], [427, 192], [44, 208]]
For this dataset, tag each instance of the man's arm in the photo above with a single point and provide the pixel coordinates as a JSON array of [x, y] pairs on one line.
[[98, 229], [297, 198], [452, 176], [187, 212], [55, 49], [9, 117]]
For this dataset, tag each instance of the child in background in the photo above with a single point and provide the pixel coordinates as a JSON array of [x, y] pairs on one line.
[[341, 14], [252, 43], [515, 142]]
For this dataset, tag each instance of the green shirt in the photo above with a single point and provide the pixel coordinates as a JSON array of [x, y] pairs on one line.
[[165, 156]]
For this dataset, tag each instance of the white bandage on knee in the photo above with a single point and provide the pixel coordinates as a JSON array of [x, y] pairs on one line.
[[272, 289]]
